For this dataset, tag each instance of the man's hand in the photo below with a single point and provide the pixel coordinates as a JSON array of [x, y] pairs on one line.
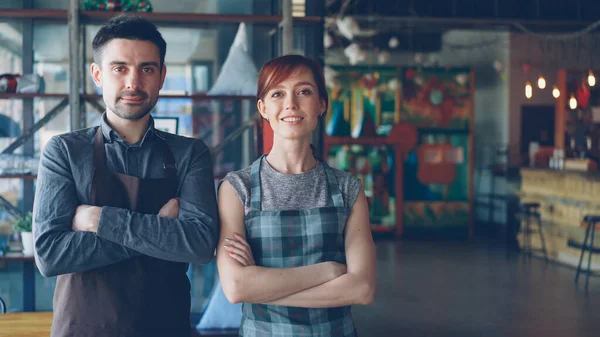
[[86, 218], [170, 209]]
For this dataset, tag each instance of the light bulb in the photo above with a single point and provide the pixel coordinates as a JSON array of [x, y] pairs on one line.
[[555, 92], [528, 90], [541, 82], [573, 102], [591, 79]]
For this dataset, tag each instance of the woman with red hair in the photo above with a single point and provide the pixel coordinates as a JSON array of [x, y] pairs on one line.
[[295, 246]]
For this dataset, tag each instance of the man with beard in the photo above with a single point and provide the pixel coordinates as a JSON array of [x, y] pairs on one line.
[[121, 209]]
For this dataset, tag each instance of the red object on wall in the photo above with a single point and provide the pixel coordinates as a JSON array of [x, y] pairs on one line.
[[267, 134], [405, 135], [436, 172], [8, 83], [583, 96]]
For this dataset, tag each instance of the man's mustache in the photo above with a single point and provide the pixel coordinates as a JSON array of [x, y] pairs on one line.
[[130, 93]]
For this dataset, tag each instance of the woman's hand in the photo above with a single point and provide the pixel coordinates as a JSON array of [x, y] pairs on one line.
[[239, 250]]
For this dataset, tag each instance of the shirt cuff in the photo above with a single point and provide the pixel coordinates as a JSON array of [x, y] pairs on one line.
[[111, 225]]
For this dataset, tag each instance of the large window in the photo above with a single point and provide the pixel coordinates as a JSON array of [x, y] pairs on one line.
[[51, 62], [11, 62]]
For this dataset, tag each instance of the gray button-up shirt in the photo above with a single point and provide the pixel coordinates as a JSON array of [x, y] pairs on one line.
[[64, 182]]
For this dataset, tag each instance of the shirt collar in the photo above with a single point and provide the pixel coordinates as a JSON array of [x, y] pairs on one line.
[[110, 135]]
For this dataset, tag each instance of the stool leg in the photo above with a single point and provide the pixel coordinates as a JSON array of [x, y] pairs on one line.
[[528, 235], [524, 220], [589, 271], [587, 234], [539, 221]]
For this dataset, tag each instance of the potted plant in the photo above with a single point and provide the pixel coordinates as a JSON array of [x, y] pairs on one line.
[[23, 226]]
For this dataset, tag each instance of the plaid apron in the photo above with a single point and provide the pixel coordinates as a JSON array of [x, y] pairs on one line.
[[295, 238]]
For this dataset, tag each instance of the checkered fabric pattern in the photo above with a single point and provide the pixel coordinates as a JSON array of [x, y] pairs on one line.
[[294, 238]]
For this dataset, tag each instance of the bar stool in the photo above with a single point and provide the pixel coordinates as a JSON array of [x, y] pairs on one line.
[[591, 221], [530, 212]]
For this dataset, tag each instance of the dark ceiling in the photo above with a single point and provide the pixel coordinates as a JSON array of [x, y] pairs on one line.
[[419, 24], [563, 10]]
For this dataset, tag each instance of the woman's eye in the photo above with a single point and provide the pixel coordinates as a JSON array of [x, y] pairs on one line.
[[305, 92], [276, 94]]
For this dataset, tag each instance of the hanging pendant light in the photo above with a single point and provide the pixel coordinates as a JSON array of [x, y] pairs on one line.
[[528, 90], [573, 102], [555, 92], [591, 78], [541, 82]]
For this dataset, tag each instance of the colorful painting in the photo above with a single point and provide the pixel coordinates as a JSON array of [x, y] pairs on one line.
[[363, 101], [436, 97], [436, 181], [374, 166], [436, 214], [438, 168]]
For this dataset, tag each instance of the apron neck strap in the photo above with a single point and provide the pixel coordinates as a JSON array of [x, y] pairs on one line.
[[333, 186], [169, 165], [256, 191], [99, 153]]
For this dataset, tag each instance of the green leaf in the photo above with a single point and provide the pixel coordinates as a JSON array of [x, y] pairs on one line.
[[23, 224]]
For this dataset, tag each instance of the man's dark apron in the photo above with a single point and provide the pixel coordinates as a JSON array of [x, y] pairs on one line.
[[141, 296]]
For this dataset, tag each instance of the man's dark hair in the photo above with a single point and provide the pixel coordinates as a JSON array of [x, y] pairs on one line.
[[128, 27]]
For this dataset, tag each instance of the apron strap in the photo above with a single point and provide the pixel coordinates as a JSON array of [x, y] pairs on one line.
[[256, 193], [99, 153], [255, 190], [169, 165], [99, 165], [333, 186]]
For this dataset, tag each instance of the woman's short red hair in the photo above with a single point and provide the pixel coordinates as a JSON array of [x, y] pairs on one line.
[[280, 68]]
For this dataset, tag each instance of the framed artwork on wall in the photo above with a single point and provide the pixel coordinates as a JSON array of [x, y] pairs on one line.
[[166, 124]]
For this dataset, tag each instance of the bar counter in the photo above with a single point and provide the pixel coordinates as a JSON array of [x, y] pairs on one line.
[[565, 197]]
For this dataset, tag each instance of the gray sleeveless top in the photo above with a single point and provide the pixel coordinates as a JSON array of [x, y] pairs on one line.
[[282, 191]]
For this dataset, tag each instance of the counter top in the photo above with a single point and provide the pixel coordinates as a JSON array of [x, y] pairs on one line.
[[589, 174]]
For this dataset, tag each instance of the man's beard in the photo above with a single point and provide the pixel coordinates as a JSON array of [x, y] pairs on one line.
[[133, 111]]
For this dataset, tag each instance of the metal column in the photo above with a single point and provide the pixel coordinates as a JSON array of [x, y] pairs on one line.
[[314, 48], [27, 114], [74, 66], [287, 30]]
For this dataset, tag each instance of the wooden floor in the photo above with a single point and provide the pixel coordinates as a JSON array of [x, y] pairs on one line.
[[435, 289], [471, 289]]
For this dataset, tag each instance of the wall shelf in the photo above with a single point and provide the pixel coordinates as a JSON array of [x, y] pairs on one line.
[[191, 19], [95, 96], [199, 97], [15, 257], [18, 176], [51, 14], [199, 18], [19, 95]]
